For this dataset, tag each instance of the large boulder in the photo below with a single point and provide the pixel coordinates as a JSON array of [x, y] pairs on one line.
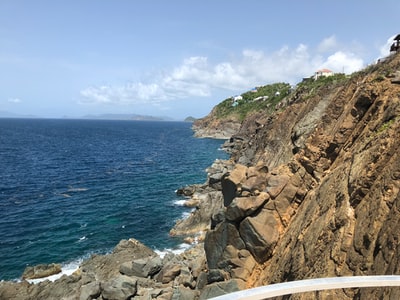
[[207, 203], [108, 266], [119, 288], [239, 263], [90, 291], [276, 183], [169, 272], [260, 234], [222, 288], [242, 207], [231, 183], [142, 267], [217, 240], [182, 293]]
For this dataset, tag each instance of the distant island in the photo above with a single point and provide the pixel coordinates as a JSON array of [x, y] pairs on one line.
[[190, 119], [133, 117], [7, 114]]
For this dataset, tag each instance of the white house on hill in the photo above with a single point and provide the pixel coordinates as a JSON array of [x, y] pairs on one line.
[[322, 73]]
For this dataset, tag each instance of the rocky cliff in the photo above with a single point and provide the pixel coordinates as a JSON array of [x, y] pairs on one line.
[[315, 189], [311, 190], [212, 127]]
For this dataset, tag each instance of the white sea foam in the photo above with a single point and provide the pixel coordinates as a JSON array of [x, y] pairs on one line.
[[179, 250], [73, 189], [180, 202]]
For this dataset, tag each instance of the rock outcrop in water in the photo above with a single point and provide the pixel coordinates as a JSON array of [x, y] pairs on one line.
[[311, 190]]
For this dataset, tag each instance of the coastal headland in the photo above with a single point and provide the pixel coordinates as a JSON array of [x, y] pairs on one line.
[[311, 190]]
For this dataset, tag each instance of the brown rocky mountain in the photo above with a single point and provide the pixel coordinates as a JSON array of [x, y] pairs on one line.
[[311, 190], [329, 203]]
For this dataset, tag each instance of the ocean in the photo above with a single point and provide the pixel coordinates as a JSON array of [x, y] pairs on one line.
[[72, 188]]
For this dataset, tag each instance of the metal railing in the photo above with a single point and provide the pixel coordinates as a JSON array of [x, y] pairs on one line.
[[310, 285]]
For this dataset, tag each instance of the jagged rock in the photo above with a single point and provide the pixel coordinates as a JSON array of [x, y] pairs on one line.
[[67, 287], [182, 293], [90, 291], [242, 207], [185, 278], [243, 266], [142, 267], [107, 266], [239, 263], [167, 295], [40, 271], [260, 234], [119, 288], [215, 275], [217, 217], [12, 290], [222, 288], [231, 183], [214, 180], [276, 183], [217, 240], [169, 272], [199, 219], [195, 259], [187, 190], [193, 202], [152, 266], [210, 127]]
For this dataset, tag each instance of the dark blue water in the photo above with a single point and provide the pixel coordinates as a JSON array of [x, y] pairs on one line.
[[69, 188]]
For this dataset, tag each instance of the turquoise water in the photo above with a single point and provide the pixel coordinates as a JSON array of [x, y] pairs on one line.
[[70, 188]]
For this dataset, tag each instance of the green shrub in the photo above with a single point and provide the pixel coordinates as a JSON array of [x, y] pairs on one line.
[[263, 98]]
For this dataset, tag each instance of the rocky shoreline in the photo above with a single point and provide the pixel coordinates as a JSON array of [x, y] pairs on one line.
[[134, 271], [210, 267]]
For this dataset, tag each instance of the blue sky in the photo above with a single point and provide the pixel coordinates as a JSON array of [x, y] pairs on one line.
[[176, 58]]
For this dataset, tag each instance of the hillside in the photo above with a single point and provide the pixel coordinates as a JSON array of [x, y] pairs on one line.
[[225, 118]]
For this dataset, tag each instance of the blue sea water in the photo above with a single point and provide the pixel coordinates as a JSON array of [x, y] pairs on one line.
[[70, 188]]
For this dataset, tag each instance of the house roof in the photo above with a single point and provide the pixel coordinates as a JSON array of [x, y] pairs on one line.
[[324, 71], [397, 37]]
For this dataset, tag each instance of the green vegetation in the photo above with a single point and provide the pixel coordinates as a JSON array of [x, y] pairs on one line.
[[386, 125], [311, 84], [261, 98], [379, 78], [265, 98]]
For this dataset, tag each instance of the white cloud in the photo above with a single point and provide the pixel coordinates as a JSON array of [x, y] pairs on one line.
[[14, 100], [385, 49], [328, 44], [197, 77], [343, 62]]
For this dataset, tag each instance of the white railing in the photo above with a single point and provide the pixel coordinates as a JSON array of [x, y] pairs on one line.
[[310, 285]]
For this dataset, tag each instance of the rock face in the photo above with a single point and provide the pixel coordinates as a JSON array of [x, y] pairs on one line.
[[333, 185], [213, 127]]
